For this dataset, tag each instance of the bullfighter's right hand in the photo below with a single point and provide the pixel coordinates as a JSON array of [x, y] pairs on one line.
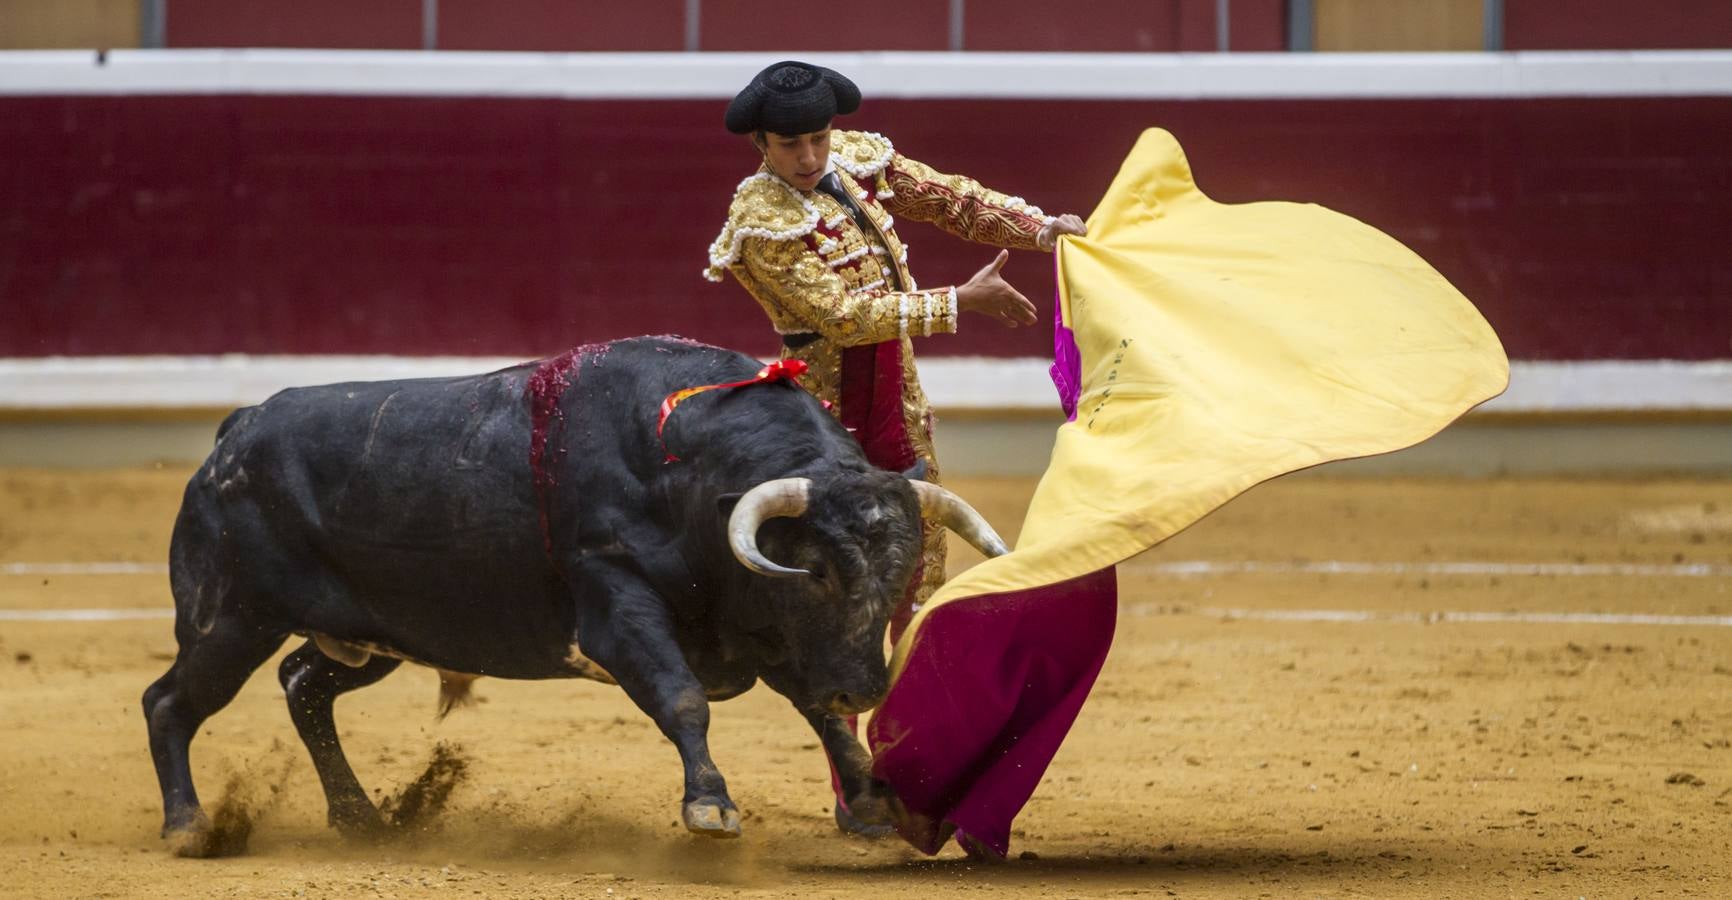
[[989, 294]]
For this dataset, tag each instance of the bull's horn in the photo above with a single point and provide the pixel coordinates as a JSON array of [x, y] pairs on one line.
[[955, 514], [781, 497]]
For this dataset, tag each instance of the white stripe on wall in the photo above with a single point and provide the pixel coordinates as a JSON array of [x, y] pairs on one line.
[[646, 76], [979, 383]]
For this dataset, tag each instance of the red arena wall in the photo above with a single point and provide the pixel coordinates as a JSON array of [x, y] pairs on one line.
[[561, 25], [1123, 26], [1583, 227], [1120, 26], [344, 24], [721, 25], [1616, 24]]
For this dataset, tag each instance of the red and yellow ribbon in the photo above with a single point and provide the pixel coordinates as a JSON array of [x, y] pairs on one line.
[[781, 370]]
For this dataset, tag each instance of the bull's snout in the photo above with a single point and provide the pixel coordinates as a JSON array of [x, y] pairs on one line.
[[848, 703]]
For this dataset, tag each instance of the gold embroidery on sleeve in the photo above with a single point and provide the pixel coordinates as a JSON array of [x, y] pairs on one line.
[[962, 206]]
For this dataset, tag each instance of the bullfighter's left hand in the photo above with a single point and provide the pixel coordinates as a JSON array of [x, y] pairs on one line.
[[1065, 224]]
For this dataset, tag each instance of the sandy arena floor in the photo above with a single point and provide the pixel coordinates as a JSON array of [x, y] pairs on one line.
[[1222, 754]]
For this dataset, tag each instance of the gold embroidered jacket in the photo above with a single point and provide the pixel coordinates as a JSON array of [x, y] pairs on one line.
[[815, 271]]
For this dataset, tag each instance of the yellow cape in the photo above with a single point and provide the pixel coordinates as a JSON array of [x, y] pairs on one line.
[[1220, 345], [1223, 345]]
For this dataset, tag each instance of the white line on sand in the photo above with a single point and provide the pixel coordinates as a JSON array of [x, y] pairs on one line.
[[1179, 569], [88, 568], [1543, 618], [1351, 616], [82, 615], [1198, 568]]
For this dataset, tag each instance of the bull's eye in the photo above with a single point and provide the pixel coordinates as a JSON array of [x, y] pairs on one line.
[[819, 571]]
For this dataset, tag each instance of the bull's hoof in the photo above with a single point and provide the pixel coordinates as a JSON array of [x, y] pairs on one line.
[[196, 838], [191, 841], [370, 828], [855, 826], [711, 819]]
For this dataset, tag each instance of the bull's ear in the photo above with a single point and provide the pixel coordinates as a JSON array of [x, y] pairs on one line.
[[725, 504], [917, 472]]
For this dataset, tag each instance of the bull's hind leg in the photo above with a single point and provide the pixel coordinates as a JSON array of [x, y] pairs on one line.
[[312, 682], [207, 673]]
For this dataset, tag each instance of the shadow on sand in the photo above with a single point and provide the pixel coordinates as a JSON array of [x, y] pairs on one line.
[[1120, 866]]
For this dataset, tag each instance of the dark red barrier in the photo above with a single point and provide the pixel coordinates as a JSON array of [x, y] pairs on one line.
[[1123, 26], [1584, 228], [1007, 25], [1616, 24], [554, 25], [776, 25], [327, 24]]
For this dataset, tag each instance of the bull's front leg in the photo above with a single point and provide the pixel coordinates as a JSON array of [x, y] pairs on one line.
[[866, 806], [626, 628]]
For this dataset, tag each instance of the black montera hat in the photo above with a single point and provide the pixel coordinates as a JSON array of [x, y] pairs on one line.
[[792, 98]]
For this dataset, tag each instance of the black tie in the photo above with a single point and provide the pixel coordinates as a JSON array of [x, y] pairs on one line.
[[831, 184]]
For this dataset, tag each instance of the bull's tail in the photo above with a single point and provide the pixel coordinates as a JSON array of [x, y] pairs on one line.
[[454, 691]]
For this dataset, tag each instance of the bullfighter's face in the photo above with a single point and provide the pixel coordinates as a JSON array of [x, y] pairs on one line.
[[798, 159]]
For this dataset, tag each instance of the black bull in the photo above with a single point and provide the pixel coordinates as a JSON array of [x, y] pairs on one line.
[[525, 524]]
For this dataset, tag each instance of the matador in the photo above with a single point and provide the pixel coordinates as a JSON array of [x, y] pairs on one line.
[[812, 236]]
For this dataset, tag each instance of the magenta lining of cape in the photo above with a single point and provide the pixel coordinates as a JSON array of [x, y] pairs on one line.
[[1066, 369], [991, 688]]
